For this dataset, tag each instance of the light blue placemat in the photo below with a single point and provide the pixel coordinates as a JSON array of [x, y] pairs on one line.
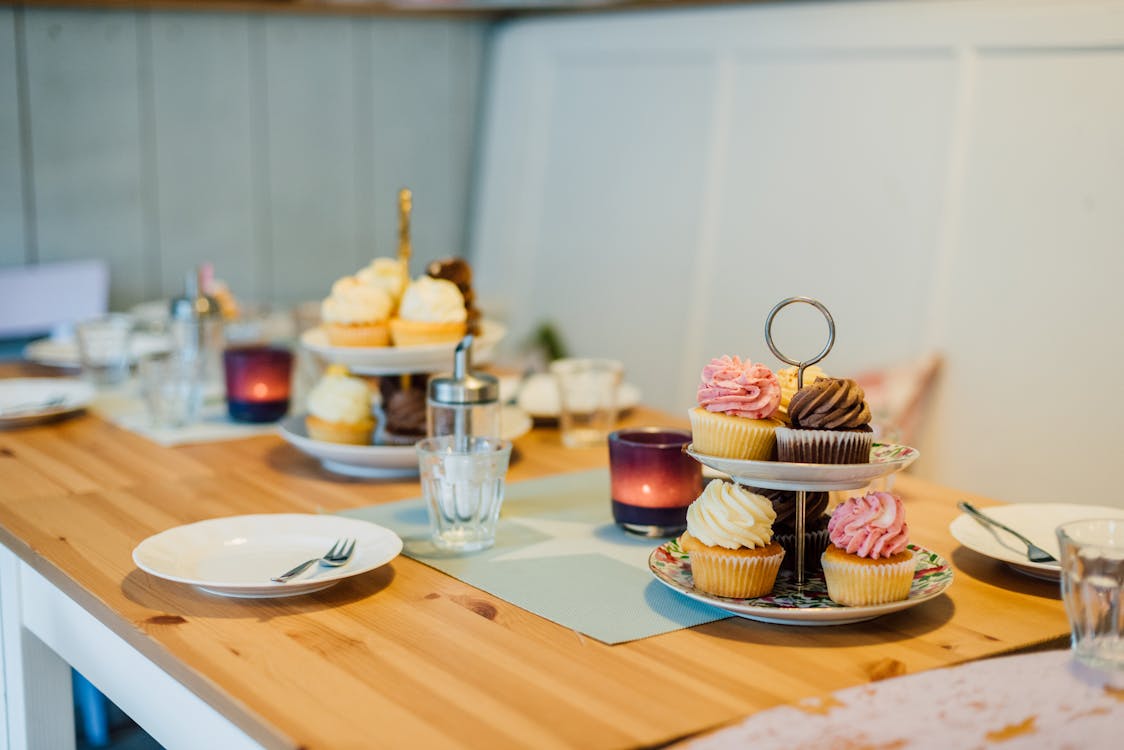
[[559, 555]]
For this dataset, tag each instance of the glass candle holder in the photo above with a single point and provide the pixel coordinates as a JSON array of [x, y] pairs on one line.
[[258, 383], [652, 481]]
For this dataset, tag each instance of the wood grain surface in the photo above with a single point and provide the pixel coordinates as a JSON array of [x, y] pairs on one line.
[[408, 657]]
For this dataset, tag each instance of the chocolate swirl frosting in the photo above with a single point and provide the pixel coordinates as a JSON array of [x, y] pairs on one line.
[[830, 404], [784, 505]]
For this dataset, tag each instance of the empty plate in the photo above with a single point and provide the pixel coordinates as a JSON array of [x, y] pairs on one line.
[[25, 401]]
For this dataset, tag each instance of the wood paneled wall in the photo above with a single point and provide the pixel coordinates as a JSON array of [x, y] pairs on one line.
[[273, 145], [944, 175]]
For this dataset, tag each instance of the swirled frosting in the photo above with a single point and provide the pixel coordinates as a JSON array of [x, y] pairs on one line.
[[870, 526], [429, 300], [388, 274], [726, 515], [829, 404], [786, 378], [353, 302], [338, 397], [739, 388]]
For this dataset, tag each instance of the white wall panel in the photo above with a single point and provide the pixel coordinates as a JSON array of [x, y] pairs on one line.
[[204, 149], [83, 98], [1036, 307], [13, 243], [310, 84]]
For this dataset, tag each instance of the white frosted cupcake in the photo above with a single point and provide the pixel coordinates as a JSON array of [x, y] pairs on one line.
[[869, 560], [356, 314], [339, 409], [729, 542], [432, 311]]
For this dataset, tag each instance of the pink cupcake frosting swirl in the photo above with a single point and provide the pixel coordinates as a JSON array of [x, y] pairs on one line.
[[739, 388], [871, 526]]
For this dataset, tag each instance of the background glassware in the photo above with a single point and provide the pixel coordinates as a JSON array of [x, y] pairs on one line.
[[463, 490], [651, 479], [587, 392], [1092, 584], [103, 348], [172, 387]]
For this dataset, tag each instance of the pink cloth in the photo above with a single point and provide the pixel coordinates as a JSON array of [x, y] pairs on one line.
[[870, 526], [739, 388]]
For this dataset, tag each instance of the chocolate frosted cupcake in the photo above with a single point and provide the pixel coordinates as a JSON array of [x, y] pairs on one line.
[[403, 399], [830, 424], [459, 272], [784, 527]]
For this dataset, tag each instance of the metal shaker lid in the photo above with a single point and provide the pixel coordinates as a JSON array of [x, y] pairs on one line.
[[464, 386]]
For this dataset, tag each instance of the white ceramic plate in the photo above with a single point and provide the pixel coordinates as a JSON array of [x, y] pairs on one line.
[[885, 458], [25, 401], [1035, 521], [392, 360], [237, 556], [787, 605], [538, 396], [64, 352], [380, 461]]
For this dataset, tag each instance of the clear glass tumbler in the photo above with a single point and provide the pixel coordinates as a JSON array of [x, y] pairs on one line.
[[1092, 584], [463, 490], [103, 348], [587, 392], [172, 386]]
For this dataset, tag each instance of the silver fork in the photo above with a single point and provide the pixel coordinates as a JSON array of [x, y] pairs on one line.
[[1034, 553], [339, 554]]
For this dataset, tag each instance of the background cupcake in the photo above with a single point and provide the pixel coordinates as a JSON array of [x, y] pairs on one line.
[[830, 424], [729, 541], [736, 400], [784, 526], [432, 311], [356, 314], [868, 561], [786, 378], [339, 409]]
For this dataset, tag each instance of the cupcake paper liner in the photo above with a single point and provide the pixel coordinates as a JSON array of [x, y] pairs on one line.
[[815, 542], [724, 573], [824, 446], [860, 584], [732, 437]]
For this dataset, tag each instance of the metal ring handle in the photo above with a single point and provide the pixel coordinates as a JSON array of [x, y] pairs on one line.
[[830, 331]]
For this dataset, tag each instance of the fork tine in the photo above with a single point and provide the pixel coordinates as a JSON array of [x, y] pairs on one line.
[[345, 554], [335, 550]]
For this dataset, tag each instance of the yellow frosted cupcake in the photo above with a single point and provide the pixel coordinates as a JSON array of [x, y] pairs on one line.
[[869, 561], [432, 311], [389, 275], [736, 401], [356, 314], [729, 542], [339, 409], [786, 378]]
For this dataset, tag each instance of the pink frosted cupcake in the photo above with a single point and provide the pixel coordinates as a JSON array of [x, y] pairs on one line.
[[868, 561], [737, 399]]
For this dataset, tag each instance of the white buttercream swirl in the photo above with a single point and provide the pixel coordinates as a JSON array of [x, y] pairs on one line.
[[429, 300], [387, 274], [729, 516], [353, 302], [340, 398]]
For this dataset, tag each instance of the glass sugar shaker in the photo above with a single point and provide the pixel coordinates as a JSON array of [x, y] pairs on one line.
[[465, 405], [197, 325]]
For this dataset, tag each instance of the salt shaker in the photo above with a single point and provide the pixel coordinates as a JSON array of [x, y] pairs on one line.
[[465, 405]]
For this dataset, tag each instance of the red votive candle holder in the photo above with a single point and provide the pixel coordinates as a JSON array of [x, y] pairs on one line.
[[652, 481], [258, 382]]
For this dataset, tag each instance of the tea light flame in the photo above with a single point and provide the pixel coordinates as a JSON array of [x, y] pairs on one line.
[[259, 390]]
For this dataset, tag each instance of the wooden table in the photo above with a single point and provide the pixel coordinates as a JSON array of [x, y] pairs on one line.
[[404, 656]]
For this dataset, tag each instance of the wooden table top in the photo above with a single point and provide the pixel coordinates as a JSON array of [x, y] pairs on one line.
[[407, 656]]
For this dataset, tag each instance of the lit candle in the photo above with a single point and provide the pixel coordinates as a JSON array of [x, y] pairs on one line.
[[258, 383], [652, 481]]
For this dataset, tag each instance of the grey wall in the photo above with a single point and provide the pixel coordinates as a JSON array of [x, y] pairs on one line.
[[273, 145]]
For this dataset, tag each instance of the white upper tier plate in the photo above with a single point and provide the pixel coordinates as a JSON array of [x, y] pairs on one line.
[[392, 360], [237, 556], [885, 458]]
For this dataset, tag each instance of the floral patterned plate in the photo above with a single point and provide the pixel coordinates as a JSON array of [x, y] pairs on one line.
[[885, 458], [789, 606]]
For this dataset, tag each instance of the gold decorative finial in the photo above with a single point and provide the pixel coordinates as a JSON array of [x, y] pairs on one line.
[[405, 206]]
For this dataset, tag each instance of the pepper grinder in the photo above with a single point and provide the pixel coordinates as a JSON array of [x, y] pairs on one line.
[[197, 324], [465, 405]]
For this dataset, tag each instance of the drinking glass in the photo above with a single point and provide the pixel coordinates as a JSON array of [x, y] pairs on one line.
[[103, 348], [463, 489], [1092, 583], [172, 386], [587, 391]]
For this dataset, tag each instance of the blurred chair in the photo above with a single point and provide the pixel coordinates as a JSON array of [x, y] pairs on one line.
[[37, 300], [897, 396]]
